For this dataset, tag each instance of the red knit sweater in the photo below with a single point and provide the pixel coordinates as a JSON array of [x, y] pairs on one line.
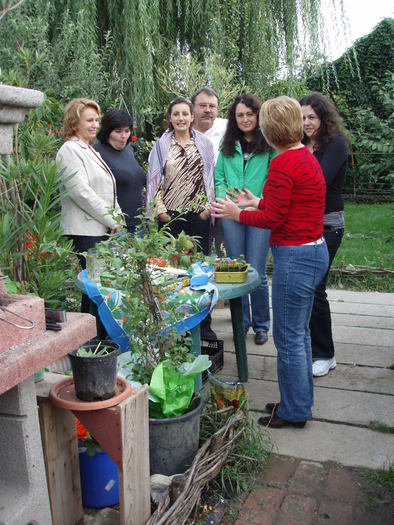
[[293, 200]]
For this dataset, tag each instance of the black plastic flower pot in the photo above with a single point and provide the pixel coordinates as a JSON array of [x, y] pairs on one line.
[[173, 441], [95, 377]]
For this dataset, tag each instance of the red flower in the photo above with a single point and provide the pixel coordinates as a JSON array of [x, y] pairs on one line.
[[133, 138], [82, 432], [30, 244]]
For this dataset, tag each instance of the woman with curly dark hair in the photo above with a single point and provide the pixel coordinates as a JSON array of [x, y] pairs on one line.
[[243, 162], [324, 137]]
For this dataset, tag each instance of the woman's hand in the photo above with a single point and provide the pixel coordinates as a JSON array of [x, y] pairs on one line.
[[119, 226], [204, 215], [245, 198], [164, 217], [225, 209]]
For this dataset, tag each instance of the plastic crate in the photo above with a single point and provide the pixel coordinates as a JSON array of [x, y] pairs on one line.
[[214, 349]]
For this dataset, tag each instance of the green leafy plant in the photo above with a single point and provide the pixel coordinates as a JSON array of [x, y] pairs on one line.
[[94, 352], [231, 265], [33, 251], [159, 353], [129, 258]]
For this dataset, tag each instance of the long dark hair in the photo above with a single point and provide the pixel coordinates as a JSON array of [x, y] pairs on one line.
[[330, 121], [177, 100], [233, 133], [113, 119]]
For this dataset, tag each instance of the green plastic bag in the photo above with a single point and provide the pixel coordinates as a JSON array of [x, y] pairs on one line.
[[174, 390]]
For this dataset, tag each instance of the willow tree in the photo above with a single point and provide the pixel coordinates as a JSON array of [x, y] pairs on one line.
[[87, 47]]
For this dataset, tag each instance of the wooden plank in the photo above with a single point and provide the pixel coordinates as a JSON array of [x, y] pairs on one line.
[[60, 448], [134, 478]]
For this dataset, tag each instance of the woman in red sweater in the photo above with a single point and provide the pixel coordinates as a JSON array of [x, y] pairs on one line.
[[292, 207]]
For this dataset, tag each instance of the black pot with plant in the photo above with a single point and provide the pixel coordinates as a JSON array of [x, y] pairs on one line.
[[94, 367]]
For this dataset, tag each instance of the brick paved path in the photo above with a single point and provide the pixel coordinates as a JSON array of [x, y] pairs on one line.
[[293, 491]]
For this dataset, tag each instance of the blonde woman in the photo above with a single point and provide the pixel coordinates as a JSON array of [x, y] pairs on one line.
[[292, 207], [89, 200]]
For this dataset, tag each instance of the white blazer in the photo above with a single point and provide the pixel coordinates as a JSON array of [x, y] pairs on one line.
[[90, 190]]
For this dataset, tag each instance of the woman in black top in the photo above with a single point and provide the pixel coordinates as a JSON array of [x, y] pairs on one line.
[[323, 136], [115, 149]]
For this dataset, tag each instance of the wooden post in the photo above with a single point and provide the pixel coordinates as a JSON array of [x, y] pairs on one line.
[[60, 448], [134, 479], [121, 430]]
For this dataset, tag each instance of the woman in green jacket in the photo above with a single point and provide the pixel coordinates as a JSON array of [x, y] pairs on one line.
[[243, 163]]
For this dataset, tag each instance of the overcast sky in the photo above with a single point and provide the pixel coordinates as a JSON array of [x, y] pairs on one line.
[[363, 16]]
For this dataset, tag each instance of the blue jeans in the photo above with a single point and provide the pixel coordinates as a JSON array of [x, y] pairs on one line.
[[253, 244], [297, 272]]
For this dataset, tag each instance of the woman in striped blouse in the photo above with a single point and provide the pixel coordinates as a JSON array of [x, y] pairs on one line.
[[180, 181], [292, 207]]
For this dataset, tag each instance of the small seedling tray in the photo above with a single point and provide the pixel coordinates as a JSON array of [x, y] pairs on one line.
[[231, 276]]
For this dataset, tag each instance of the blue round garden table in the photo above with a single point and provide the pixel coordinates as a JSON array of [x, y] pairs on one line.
[[233, 293]]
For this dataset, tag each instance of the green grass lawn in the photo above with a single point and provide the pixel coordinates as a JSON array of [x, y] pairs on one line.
[[368, 241], [369, 236]]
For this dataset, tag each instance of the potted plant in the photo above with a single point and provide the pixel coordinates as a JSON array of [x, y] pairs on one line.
[[33, 250], [94, 367], [151, 271], [231, 270]]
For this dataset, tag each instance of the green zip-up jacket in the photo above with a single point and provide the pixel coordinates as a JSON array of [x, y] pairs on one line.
[[230, 172]]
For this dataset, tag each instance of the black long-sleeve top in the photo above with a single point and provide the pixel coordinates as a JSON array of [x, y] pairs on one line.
[[333, 161], [130, 180]]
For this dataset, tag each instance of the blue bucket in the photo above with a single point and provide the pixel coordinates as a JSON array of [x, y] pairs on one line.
[[99, 480]]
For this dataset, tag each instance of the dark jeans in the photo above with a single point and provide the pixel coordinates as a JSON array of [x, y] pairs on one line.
[[320, 323], [192, 224]]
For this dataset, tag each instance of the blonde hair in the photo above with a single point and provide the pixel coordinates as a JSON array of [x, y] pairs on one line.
[[281, 121], [72, 114]]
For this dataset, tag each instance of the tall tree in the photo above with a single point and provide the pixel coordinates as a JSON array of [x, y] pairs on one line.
[[86, 47]]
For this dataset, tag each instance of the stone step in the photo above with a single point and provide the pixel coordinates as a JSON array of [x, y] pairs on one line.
[[362, 321], [345, 377], [340, 317], [348, 407], [320, 441], [351, 353], [349, 296]]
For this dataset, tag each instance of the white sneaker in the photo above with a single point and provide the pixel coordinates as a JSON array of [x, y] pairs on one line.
[[321, 367]]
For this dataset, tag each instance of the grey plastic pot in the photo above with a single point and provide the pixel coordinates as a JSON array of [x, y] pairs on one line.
[[173, 442]]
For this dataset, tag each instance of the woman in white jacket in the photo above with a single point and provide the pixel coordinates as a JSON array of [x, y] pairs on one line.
[[89, 203]]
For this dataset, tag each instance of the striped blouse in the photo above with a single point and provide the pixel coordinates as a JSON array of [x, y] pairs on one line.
[[183, 187]]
